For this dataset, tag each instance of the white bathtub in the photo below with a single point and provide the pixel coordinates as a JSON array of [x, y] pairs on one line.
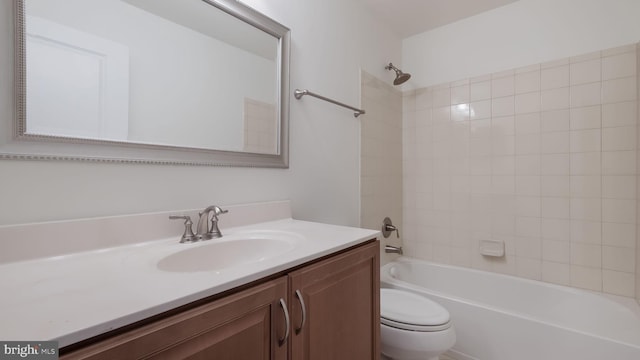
[[500, 317]]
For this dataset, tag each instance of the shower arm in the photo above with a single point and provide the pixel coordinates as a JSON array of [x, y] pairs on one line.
[[300, 93]]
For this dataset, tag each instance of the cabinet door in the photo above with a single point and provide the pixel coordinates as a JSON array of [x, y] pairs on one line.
[[342, 307], [243, 326]]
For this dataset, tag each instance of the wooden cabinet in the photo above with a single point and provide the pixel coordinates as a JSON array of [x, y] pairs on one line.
[[340, 297], [217, 330], [339, 319]]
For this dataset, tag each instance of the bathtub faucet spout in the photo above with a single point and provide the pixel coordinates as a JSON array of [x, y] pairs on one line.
[[393, 249]]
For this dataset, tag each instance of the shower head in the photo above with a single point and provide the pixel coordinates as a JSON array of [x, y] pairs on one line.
[[401, 77]]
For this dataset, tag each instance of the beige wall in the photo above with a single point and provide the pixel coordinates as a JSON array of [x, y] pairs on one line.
[[381, 157], [541, 157]]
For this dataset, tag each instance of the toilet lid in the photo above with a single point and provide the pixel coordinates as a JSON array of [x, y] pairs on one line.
[[402, 307]]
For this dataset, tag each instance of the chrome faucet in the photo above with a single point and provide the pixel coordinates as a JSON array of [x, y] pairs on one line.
[[203, 230]]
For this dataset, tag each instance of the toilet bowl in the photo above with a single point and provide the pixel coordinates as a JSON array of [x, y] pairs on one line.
[[413, 327]]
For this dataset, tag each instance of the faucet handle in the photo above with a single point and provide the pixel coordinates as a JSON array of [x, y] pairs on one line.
[[188, 236], [214, 230], [218, 211]]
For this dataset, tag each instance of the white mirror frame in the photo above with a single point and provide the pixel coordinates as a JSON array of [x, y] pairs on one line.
[[15, 144]]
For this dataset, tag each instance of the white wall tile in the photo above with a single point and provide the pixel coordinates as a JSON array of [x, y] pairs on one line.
[[586, 277], [460, 95], [618, 66], [480, 146], [618, 283], [502, 106], [529, 268], [555, 120], [530, 248], [504, 86], [585, 95], [527, 164], [586, 186], [528, 185], [505, 185], [556, 251], [528, 227], [589, 232], [586, 255], [618, 90], [480, 128], [480, 165], [619, 114], [480, 184], [527, 123], [617, 234], [501, 126], [555, 77], [554, 164], [528, 206], [586, 163], [619, 187], [555, 99], [503, 165], [441, 97], [527, 103], [556, 208], [555, 185], [555, 272], [527, 144], [527, 82], [619, 138], [586, 140], [618, 259], [586, 118], [586, 209], [503, 145], [618, 162], [619, 211], [480, 109], [480, 90], [553, 143], [585, 72], [556, 229]]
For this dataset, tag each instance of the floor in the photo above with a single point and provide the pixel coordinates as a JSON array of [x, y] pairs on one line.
[[446, 357]]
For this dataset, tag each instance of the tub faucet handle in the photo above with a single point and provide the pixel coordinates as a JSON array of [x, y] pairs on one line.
[[188, 236], [388, 228]]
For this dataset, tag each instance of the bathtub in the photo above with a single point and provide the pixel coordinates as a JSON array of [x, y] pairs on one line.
[[501, 317]]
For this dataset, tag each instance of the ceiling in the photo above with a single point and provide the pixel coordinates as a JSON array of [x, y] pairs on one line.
[[410, 17]]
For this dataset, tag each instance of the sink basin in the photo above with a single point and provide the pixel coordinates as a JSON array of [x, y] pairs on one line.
[[215, 255]]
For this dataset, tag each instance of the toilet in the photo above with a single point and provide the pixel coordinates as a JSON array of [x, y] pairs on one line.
[[413, 327]]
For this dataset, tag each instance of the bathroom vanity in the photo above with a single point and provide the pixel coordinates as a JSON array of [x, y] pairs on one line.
[[325, 310], [271, 288]]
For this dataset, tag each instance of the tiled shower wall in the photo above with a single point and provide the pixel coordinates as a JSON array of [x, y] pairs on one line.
[[542, 158], [381, 156]]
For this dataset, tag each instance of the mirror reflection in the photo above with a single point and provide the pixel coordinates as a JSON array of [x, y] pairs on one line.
[[165, 72]]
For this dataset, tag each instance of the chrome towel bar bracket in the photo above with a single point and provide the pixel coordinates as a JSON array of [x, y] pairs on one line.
[[300, 93]]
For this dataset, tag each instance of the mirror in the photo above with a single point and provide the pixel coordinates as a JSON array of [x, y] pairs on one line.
[[156, 81]]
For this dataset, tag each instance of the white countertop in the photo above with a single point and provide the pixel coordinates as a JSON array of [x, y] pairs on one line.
[[73, 297]]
